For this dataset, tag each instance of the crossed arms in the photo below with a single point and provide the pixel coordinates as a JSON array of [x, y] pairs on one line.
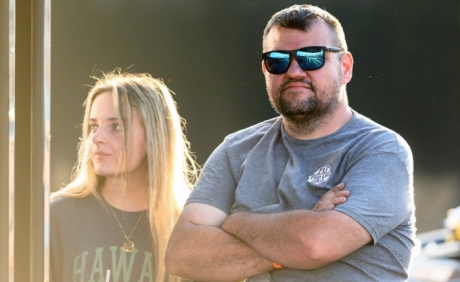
[[209, 245]]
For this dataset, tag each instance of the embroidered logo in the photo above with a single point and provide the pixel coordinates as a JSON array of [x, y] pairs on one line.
[[321, 175]]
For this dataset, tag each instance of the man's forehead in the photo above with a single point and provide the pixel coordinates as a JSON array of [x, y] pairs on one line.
[[317, 34]]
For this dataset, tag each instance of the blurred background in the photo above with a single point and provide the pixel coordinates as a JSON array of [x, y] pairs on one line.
[[406, 73]]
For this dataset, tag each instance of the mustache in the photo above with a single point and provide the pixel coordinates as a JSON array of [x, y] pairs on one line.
[[306, 82]]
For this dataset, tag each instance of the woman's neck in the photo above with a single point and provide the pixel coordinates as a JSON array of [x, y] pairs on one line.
[[129, 197]]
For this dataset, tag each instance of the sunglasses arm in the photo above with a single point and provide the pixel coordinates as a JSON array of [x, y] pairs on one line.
[[333, 49]]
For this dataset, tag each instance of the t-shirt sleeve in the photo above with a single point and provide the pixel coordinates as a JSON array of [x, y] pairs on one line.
[[381, 190], [216, 184]]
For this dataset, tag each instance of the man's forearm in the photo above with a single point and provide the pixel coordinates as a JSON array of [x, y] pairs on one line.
[[298, 239], [270, 234], [210, 254]]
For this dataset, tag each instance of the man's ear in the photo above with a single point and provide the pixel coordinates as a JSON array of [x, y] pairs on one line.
[[347, 67], [264, 69]]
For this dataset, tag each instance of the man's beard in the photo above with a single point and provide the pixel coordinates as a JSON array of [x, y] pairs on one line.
[[307, 115]]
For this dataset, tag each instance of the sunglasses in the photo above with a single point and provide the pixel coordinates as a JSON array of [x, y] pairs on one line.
[[309, 58]]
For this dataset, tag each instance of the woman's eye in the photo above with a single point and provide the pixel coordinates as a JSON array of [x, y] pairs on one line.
[[117, 127], [93, 127]]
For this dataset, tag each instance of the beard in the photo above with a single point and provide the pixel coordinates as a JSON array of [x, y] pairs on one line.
[[308, 114]]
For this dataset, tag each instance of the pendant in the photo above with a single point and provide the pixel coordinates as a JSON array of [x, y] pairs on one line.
[[128, 246]]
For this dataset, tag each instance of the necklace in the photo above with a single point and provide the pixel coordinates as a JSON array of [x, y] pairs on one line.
[[128, 245]]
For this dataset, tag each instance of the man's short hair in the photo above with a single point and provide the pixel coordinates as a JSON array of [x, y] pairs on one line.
[[302, 17]]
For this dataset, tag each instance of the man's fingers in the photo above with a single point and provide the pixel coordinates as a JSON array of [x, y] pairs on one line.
[[336, 192], [333, 197], [325, 208], [337, 187], [332, 201], [338, 200]]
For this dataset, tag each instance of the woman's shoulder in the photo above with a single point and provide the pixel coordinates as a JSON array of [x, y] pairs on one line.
[[66, 205]]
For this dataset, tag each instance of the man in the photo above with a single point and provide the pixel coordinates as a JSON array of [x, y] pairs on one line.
[[250, 214]]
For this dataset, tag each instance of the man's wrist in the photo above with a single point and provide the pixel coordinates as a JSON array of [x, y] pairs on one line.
[[231, 222]]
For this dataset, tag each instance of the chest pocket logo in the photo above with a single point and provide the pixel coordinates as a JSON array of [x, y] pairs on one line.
[[321, 175]]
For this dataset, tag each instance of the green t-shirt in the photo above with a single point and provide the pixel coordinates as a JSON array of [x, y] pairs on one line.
[[87, 243]]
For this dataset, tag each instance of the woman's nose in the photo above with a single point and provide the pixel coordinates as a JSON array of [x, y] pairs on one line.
[[99, 136]]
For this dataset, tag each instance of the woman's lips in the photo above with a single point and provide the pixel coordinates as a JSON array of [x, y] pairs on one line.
[[101, 154]]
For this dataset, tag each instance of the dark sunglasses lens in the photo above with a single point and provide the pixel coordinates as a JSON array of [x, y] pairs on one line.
[[277, 62], [310, 58]]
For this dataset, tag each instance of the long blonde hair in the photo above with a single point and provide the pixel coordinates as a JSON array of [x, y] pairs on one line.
[[171, 167]]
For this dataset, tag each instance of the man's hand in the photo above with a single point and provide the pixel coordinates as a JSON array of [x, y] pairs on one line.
[[333, 197]]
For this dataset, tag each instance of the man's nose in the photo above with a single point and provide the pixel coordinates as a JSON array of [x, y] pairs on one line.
[[295, 70]]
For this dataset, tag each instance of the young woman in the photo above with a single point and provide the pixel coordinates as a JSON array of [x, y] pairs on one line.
[[133, 174]]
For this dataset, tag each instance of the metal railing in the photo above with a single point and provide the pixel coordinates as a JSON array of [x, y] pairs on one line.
[[24, 139]]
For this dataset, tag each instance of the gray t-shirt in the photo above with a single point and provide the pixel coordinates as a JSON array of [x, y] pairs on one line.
[[263, 169], [86, 241]]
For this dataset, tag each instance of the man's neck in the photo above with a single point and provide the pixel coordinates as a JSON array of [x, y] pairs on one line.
[[326, 126]]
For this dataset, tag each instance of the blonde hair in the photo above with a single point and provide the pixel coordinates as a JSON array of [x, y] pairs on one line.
[[172, 169]]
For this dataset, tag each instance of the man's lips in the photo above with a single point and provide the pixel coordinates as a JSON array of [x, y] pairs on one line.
[[296, 85]]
